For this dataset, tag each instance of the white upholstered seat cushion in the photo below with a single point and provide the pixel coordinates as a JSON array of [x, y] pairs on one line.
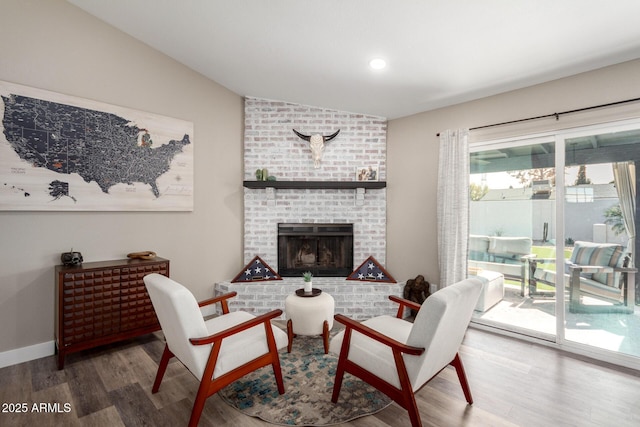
[[372, 355], [243, 347]]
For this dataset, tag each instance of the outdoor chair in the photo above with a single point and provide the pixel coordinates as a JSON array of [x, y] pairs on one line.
[[595, 270], [500, 254], [217, 351], [399, 357]]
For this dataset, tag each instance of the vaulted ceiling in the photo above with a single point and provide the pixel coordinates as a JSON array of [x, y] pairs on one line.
[[438, 53]]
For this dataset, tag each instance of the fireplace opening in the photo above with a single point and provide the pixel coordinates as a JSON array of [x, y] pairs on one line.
[[324, 249]]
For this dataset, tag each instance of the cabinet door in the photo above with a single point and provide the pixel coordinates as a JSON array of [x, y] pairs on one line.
[[91, 301], [136, 308]]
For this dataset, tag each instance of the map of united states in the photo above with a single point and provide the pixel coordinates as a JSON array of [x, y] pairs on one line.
[[100, 147]]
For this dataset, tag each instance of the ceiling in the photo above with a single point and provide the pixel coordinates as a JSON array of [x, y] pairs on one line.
[[438, 53]]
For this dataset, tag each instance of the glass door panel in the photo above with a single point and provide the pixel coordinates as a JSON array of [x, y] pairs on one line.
[[512, 235], [600, 222]]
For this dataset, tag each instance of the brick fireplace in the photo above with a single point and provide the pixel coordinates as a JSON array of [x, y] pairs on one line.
[[269, 143]]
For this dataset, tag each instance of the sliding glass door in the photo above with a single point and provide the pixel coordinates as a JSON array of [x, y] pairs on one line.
[[599, 228], [554, 217], [512, 227]]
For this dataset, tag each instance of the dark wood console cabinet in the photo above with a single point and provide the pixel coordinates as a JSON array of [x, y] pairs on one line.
[[102, 302]]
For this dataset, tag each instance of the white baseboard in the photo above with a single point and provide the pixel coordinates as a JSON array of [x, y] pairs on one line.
[[25, 354]]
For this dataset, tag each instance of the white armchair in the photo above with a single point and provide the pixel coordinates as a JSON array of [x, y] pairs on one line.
[[217, 351], [399, 357]]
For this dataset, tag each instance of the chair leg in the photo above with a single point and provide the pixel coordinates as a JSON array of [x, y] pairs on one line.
[[408, 398], [289, 335], [457, 363], [325, 336], [342, 361], [337, 383], [198, 404], [275, 364], [162, 367], [414, 415]]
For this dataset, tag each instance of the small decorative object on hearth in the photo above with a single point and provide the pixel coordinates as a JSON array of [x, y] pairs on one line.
[[416, 290], [71, 258], [256, 271], [258, 174], [371, 271], [142, 255], [265, 174], [308, 284]]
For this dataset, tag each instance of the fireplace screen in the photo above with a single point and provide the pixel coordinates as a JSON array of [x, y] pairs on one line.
[[324, 249]]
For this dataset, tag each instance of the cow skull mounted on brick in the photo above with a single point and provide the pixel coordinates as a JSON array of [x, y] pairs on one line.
[[316, 143]]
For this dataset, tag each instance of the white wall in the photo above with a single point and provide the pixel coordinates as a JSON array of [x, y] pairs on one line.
[[55, 46], [517, 218]]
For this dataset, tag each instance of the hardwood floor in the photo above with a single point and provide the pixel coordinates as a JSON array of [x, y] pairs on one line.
[[514, 383]]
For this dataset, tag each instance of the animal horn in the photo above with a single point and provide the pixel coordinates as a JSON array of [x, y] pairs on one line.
[[305, 137], [330, 137]]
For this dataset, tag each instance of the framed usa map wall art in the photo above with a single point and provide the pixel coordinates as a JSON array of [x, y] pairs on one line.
[[64, 153]]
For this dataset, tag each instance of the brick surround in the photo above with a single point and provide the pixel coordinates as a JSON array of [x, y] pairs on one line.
[[358, 300], [269, 142]]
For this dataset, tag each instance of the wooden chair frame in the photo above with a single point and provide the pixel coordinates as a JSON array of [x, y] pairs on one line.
[[209, 385], [403, 396]]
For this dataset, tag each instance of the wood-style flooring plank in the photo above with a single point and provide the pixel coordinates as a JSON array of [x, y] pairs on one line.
[[105, 417], [135, 408], [87, 390]]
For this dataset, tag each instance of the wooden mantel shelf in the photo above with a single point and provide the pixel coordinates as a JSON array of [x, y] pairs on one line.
[[315, 185]]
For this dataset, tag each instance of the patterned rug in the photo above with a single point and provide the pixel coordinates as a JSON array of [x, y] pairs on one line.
[[308, 376]]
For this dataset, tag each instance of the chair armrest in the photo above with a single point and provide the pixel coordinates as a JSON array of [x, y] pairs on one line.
[[538, 260], [375, 335], [601, 269], [591, 268], [404, 303], [222, 299], [219, 336]]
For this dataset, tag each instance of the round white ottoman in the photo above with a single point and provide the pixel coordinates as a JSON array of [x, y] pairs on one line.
[[309, 316]]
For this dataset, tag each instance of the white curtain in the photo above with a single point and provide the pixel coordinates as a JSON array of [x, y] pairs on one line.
[[453, 206], [624, 175]]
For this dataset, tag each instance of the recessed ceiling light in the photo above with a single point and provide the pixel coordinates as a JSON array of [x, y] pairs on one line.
[[378, 63]]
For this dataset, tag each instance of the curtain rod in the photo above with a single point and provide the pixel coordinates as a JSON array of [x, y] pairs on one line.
[[556, 115]]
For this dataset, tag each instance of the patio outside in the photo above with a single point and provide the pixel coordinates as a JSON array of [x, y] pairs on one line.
[[591, 216]]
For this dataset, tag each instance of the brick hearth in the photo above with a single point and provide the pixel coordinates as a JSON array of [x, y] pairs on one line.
[[359, 300]]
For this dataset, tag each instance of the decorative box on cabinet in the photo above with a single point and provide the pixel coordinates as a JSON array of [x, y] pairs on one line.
[[102, 302]]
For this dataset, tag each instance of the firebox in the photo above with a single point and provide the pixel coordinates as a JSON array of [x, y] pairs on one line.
[[324, 249]]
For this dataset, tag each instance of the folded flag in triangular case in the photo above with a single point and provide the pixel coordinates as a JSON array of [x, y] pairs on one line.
[[256, 271], [371, 271]]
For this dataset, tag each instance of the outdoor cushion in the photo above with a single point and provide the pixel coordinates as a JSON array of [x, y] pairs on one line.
[[601, 254], [512, 246]]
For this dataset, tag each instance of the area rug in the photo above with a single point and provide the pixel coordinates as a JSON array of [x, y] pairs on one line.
[[308, 376]]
